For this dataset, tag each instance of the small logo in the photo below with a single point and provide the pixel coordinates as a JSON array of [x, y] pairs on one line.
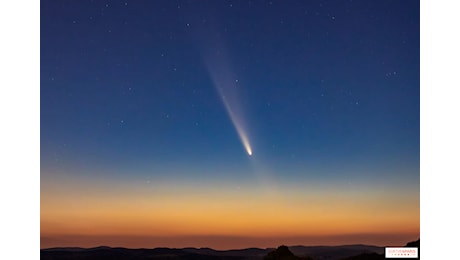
[[401, 252]]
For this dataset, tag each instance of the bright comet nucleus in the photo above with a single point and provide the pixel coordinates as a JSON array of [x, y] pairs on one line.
[[238, 126], [246, 144]]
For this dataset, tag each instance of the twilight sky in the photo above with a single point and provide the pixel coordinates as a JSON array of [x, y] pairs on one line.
[[149, 110]]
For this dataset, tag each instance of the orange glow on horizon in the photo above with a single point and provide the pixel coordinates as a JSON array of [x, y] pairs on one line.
[[116, 210], [231, 214]]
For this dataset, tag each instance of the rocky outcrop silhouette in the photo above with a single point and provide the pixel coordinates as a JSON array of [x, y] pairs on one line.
[[414, 244], [283, 253]]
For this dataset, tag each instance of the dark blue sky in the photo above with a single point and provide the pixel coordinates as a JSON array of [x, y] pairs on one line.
[[331, 86]]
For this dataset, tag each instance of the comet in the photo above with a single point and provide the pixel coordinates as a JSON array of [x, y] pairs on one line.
[[223, 76], [227, 87]]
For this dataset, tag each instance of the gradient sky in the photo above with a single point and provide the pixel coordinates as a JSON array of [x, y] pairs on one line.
[[149, 110]]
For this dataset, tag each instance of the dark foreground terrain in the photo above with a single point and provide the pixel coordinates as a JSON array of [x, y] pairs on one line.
[[349, 252]]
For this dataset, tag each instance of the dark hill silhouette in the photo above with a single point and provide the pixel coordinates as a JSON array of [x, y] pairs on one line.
[[414, 244], [107, 253], [367, 256], [335, 252], [253, 253], [375, 256], [347, 252], [283, 253]]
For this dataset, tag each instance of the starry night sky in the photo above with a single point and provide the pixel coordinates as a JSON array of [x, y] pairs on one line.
[[137, 137]]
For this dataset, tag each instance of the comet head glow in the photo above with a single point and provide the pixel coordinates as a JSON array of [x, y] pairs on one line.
[[246, 144], [238, 126]]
